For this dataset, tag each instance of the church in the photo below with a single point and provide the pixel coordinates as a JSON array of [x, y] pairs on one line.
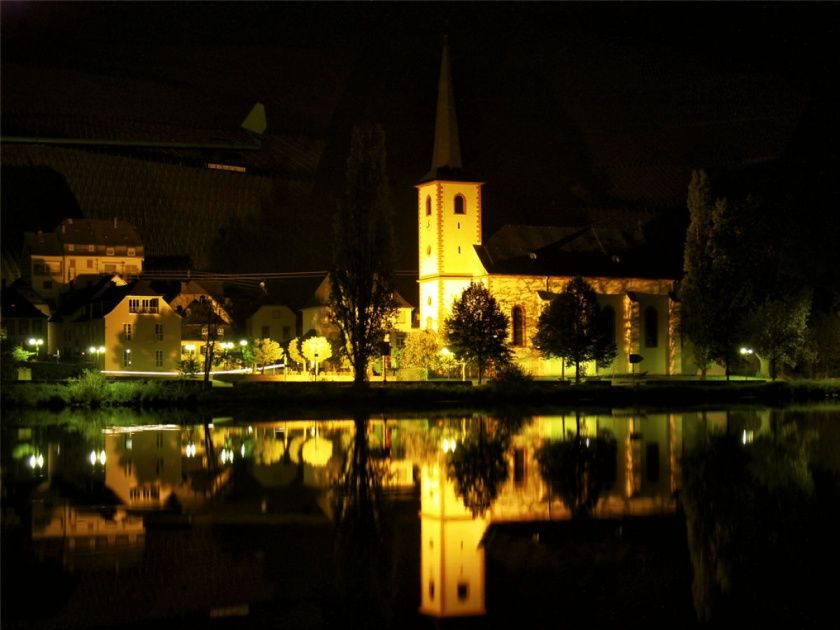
[[525, 266]]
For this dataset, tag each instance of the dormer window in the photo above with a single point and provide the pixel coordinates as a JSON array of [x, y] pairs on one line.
[[130, 251], [91, 248], [460, 204], [109, 251], [71, 247]]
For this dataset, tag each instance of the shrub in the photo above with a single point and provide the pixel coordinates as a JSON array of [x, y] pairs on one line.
[[91, 388]]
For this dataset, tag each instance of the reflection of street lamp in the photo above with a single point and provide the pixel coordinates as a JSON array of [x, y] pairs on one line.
[[37, 343]]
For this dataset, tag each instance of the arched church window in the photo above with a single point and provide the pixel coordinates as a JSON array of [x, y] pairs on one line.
[[518, 319], [609, 322], [428, 250], [460, 204], [651, 327], [428, 205]]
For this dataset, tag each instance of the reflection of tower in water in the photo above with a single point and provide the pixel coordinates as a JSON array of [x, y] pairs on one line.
[[451, 549]]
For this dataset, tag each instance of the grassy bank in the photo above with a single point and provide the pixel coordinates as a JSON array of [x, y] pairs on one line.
[[92, 390]]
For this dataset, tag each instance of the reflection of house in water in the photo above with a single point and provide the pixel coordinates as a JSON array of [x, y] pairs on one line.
[[86, 537], [147, 466]]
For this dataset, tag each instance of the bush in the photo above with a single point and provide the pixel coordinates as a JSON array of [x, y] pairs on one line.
[[90, 388]]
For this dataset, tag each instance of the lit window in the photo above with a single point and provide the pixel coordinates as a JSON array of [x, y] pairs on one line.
[[459, 204], [91, 248], [71, 247], [130, 251], [109, 251], [127, 332]]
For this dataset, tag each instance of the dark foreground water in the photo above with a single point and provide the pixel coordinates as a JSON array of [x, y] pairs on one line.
[[120, 519]]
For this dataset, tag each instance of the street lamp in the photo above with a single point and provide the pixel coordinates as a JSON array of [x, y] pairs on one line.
[[96, 351], [37, 343]]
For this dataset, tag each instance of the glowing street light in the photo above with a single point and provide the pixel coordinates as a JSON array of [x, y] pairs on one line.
[[96, 351], [36, 343]]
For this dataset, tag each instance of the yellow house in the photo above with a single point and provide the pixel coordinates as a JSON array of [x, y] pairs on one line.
[[524, 266], [81, 247], [316, 315], [272, 321], [127, 328]]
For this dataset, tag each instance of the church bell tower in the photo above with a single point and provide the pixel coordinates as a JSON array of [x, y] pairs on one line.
[[449, 214]]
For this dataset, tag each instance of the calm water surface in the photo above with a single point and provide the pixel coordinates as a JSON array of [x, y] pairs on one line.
[[127, 519]]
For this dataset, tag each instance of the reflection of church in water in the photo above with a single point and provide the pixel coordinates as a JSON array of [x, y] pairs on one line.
[[151, 468]]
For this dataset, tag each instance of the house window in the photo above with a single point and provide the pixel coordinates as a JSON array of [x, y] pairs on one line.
[[158, 358], [460, 204], [130, 251], [72, 263], [266, 332], [609, 322], [89, 263], [428, 205], [110, 268], [518, 318], [109, 251], [127, 332], [159, 332], [428, 250], [287, 333], [220, 332], [91, 248], [127, 357], [651, 327], [145, 305], [463, 591]]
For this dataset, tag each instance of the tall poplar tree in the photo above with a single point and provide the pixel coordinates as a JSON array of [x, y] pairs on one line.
[[362, 296], [696, 311], [716, 290]]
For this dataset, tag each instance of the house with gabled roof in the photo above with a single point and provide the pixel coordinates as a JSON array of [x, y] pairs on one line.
[[131, 322]]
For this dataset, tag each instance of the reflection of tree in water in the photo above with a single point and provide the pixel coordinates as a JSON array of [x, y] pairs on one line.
[[579, 469], [364, 558], [478, 466]]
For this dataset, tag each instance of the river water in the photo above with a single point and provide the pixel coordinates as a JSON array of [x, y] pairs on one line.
[[116, 518]]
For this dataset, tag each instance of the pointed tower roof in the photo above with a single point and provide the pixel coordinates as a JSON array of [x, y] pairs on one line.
[[446, 154]]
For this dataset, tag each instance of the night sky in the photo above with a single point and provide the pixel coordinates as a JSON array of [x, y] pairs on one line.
[[560, 105]]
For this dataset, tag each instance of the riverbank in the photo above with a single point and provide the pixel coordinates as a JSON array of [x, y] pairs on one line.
[[302, 397]]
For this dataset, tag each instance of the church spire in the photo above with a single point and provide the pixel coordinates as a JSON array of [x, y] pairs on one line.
[[446, 153], [447, 148]]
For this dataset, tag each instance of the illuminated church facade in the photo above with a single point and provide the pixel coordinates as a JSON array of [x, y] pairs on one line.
[[525, 266]]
